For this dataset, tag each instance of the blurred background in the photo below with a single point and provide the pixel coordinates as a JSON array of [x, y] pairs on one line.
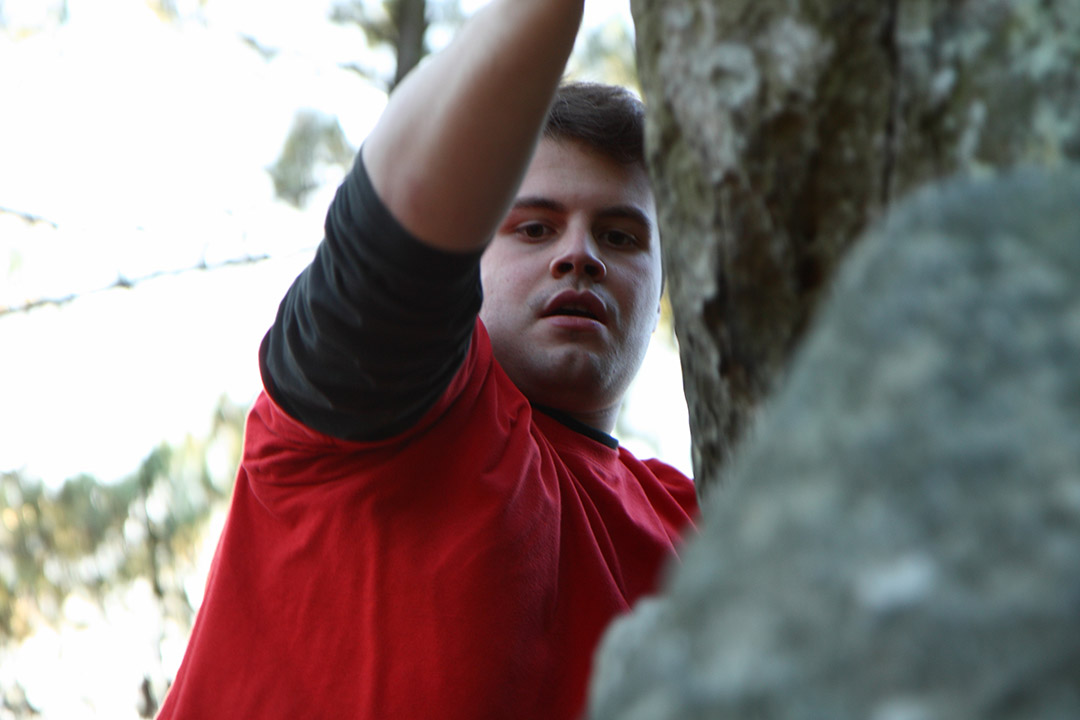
[[165, 166]]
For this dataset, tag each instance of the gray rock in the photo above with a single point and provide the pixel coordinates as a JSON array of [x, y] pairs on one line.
[[901, 538]]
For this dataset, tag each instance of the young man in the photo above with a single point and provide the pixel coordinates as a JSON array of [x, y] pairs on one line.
[[431, 519]]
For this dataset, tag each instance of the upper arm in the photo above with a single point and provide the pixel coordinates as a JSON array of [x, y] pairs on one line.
[[371, 333]]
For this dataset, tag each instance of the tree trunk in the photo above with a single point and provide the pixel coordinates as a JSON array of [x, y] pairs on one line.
[[410, 19], [778, 130]]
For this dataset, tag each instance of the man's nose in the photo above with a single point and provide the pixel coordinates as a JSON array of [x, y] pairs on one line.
[[577, 253]]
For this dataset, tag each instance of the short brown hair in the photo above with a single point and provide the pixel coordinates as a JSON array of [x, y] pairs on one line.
[[607, 118]]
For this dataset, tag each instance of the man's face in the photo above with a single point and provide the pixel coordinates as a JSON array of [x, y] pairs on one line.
[[572, 281]]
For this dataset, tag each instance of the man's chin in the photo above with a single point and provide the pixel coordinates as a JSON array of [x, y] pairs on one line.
[[556, 365], [566, 376]]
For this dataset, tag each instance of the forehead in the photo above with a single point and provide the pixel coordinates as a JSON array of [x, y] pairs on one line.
[[579, 177]]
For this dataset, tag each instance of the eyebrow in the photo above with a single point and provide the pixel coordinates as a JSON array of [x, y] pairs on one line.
[[539, 202]]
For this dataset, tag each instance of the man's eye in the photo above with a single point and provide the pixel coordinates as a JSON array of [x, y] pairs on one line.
[[618, 238], [533, 231]]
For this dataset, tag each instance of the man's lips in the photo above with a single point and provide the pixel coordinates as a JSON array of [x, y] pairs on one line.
[[573, 303]]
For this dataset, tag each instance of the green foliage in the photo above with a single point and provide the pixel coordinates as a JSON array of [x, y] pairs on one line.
[[315, 140], [607, 55], [15, 261], [91, 537]]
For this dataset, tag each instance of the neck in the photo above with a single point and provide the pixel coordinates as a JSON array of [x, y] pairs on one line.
[[604, 420], [574, 423]]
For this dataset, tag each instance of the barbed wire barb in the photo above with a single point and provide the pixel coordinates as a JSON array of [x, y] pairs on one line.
[[122, 281], [29, 218]]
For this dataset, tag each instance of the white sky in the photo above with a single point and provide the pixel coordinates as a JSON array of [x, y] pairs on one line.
[[146, 144]]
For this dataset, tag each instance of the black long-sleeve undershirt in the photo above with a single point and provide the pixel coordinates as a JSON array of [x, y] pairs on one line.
[[371, 333]]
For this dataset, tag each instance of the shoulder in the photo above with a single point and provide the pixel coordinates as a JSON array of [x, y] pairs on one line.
[[473, 400], [670, 483], [666, 473]]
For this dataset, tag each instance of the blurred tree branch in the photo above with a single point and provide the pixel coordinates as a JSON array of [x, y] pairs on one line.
[[401, 24]]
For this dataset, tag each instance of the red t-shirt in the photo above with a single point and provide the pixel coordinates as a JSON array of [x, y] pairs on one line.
[[463, 569]]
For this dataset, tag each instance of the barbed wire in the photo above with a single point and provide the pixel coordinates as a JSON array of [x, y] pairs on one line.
[[29, 218], [123, 282], [126, 283]]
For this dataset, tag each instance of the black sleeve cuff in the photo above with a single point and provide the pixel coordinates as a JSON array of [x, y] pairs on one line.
[[370, 334]]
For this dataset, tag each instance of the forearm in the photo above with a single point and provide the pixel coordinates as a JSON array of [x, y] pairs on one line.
[[456, 137]]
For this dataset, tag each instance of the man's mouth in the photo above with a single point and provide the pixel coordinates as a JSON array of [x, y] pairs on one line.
[[572, 303], [575, 311]]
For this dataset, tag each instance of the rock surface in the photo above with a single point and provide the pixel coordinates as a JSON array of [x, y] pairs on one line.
[[900, 539]]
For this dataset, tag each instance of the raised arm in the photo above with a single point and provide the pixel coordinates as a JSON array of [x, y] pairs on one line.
[[456, 137], [372, 332]]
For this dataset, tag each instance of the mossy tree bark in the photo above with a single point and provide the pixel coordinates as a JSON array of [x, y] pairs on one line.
[[779, 129]]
